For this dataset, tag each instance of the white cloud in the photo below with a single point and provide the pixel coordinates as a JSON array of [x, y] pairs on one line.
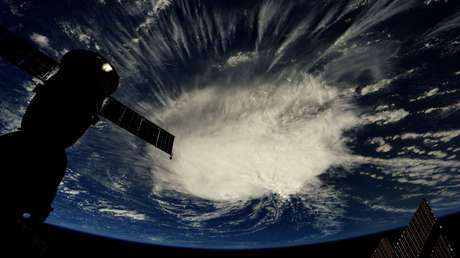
[[377, 140], [151, 15], [18, 8], [411, 136], [236, 60], [438, 154], [11, 116], [449, 23], [41, 40], [124, 213], [84, 38], [76, 32], [250, 141], [431, 92], [415, 150], [148, 21], [428, 2], [382, 145], [415, 171], [443, 109], [382, 107], [384, 117], [443, 136], [11, 119], [156, 239], [376, 13], [375, 87], [68, 191], [427, 94], [402, 180], [384, 148], [161, 5], [239, 58], [391, 209]]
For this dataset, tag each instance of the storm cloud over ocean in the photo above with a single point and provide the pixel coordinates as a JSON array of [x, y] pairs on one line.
[[296, 121]]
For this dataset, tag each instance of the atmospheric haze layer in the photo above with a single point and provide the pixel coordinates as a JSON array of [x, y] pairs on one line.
[[296, 122]]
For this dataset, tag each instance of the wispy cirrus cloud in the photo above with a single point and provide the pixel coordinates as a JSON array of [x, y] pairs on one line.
[[40, 40], [123, 213]]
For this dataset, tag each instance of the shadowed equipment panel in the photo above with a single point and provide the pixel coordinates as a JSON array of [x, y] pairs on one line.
[[24, 56]]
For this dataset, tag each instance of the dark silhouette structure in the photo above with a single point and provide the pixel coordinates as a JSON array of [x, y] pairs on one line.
[[63, 108], [423, 237], [33, 158], [65, 105]]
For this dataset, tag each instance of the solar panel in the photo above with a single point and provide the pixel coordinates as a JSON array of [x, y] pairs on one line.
[[148, 132], [26, 57], [134, 123]]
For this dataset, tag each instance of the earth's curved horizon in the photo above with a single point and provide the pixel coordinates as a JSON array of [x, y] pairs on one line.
[[296, 122]]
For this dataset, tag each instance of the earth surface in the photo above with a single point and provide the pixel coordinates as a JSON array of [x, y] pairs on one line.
[[296, 122]]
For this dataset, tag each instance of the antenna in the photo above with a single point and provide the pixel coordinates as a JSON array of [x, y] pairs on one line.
[[41, 66]]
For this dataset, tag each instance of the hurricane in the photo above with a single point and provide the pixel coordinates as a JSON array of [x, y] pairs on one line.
[[295, 122]]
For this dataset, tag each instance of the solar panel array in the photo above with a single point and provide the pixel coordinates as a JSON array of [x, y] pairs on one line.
[[423, 237], [415, 235], [134, 123], [26, 57]]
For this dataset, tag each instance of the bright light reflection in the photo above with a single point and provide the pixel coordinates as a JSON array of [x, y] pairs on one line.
[[107, 67]]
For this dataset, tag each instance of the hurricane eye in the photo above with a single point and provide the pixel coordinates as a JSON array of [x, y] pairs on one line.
[[107, 67]]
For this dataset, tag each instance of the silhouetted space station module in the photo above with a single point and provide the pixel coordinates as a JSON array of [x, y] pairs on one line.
[[70, 99], [83, 77]]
